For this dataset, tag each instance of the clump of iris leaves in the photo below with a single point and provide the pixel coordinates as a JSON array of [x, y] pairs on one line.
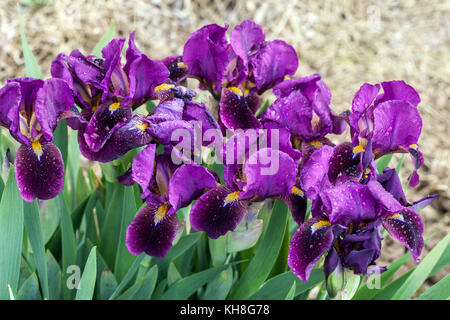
[[85, 226]]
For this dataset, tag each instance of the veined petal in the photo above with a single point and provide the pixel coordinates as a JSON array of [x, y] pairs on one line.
[[217, 211], [235, 112], [245, 37], [104, 123], [187, 183], [311, 240], [125, 138], [40, 173], [10, 97], [407, 228], [151, 233]]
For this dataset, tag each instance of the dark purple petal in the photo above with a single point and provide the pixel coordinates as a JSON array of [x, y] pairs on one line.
[[235, 113], [269, 172], [217, 211], [52, 100], [187, 183], [282, 137], [129, 136], [396, 124], [407, 228], [275, 60], [418, 160], [391, 182], [205, 53], [105, 121], [178, 70], [359, 260], [311, 240], [151, 234], [398, 90], [39, 174], [342, 163], [297, 204]]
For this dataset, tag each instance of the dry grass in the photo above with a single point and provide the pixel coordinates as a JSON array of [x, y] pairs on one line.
[[348, 42]]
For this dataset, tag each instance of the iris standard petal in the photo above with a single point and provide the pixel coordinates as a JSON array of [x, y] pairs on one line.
[[398, 90], [396, 124], [40, 173], [143, 166], [269, 172], [187, 183], [10, 97], [205, 54], [275, 60], [311, 240], [52, 100], [407, 228], [217, 211], [245, 37], [150, 233]]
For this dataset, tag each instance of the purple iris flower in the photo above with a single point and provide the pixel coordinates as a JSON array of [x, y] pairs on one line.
[[349, 208], [303, 107], [222, 208], [166, 188], [388, 122], [247, 60], [107, 92], [31, 108]]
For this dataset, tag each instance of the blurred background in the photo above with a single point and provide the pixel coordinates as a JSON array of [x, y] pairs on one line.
[[347, 42]]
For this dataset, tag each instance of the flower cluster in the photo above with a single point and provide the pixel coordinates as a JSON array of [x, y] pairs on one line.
[[351, 201]]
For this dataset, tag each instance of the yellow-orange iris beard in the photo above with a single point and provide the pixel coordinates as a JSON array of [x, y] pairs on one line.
[[37, 148], [161, 212]]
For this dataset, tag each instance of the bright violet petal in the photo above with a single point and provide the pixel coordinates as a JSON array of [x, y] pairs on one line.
[[41, 176], [145, 235], [407, 228], [205, 53], [217, 211], [383, 197], [311, 240], [314, 174], [187, 183], [422, 203], [396, 124], [269, 172], [350, 202], [283, 89], [196, 111], [398, 90], [144, 76], [235, 112], [245, 37], [275, 60], [103, 124], [364, 97]]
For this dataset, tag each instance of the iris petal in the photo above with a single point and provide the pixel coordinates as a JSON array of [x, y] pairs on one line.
[[407, 228], [217, 212], [311, 240], [235, 112], [41, 176], [146, 235]]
